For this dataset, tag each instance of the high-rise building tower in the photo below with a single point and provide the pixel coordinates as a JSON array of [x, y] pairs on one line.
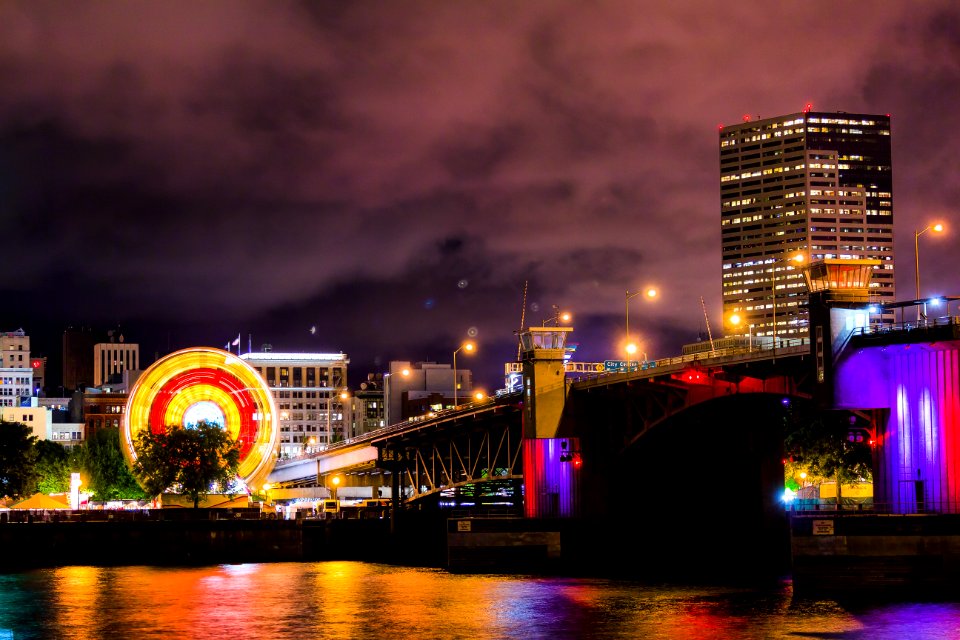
[[811, 184]]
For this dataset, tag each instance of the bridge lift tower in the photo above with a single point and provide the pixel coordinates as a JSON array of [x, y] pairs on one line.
[[551, 463]]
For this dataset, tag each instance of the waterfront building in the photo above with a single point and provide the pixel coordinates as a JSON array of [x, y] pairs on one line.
[[812, 183], [68, 434], [39, 419], [101, 409], [369, 409], [16, 372], [63, 430], [412, 389], [310, 392]]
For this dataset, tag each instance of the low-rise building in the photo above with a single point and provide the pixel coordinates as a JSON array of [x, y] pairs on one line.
[[412, 389], [16, 372], [311, 396]]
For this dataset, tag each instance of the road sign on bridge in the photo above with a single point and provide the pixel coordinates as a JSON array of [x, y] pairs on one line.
[[621, 366]]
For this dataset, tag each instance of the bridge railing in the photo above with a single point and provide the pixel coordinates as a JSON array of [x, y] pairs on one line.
[[397, 427], [903, 327], [761, 350], [801, 508]]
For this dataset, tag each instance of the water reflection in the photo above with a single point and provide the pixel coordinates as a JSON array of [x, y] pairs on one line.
[[360, 600]]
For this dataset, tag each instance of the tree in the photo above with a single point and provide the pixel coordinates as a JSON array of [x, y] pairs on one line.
[[195, 458], [820, 441], [107, 475], [53, 467], [17, 459]]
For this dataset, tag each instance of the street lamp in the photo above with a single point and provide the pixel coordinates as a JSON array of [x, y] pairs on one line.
[[798, 258], [936, 228], [649, 293], [336, 482], [558, 317], [468, 347], [736, 321], [342, 395]]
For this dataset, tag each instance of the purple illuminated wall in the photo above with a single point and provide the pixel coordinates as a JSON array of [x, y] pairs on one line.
[[550, 488], [918, 450]]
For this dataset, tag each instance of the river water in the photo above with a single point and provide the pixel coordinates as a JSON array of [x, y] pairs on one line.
[[355, 600]]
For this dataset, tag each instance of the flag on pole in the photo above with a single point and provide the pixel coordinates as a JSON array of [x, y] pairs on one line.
[[236, 342]]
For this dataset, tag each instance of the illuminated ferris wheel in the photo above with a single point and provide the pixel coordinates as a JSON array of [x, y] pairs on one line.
[[203, 383]]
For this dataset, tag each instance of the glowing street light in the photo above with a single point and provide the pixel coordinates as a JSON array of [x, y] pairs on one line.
[[342, 395], [468, 347], [335, 480], [650, 293], [631, 348], [558, 317], [936, 228], [798, 258], [736, 321]]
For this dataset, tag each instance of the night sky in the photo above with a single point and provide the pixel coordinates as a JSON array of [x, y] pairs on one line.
[[382, 178]]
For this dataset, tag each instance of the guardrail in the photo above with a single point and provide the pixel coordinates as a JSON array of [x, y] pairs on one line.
[[905, 327], [398, 427], [795, 508], [759, 351]]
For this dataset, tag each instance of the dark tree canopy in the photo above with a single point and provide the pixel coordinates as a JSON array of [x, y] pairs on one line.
[[820, 442], [54, 466], [18, 454], [106, 474], [189, 459]]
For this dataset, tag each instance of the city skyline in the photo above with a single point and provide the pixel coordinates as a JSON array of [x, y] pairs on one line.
[[384, 180]]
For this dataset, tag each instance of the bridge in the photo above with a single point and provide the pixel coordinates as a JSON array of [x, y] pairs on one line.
[[568, 430], [449, 452], [684, 454]]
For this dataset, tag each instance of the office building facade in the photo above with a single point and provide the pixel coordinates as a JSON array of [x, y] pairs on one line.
[[16, 370], [812, 184], [413, 389], [369, 408], [111, 359], [311, 397]]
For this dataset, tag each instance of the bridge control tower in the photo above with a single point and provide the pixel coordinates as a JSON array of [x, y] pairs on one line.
[[839, 301], [551, 463]]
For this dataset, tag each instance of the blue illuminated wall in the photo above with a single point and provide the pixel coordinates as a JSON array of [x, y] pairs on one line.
[[918, 449], [550, 487]]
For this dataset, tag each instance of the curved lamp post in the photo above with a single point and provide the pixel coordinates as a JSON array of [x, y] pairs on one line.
[[798, 258], [649, 293], [736, 321], [468, 347], [936, 228]]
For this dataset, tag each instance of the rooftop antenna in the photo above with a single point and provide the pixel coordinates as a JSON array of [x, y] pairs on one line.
[[523, 312], [707, 320]]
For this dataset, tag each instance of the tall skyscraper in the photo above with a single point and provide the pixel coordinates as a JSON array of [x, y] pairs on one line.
[[813, 184]]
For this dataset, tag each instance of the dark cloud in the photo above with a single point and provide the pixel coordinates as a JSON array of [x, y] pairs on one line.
[[393, 173]]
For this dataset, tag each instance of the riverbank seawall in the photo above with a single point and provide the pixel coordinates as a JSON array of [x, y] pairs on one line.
[[870, 554], [192, 537]]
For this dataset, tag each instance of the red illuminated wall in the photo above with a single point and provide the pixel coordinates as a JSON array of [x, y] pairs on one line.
[[550, 485]]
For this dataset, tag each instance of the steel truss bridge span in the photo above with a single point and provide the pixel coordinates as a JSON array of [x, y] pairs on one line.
[[476, 443]]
